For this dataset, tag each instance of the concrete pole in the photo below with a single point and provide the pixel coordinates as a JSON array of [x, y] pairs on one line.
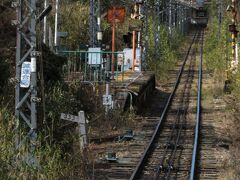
[[219, 18], [113, 48], [139, 33], [107, 94], [133, 50], [56, 24], [182, 20], [82, 129], [233, 36], [174, 15], [45, 24], [236, 33], [50, 38], [236, 63]]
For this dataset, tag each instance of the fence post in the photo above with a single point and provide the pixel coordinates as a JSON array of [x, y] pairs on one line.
[[82, 129]]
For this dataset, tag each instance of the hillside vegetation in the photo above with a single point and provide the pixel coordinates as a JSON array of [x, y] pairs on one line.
[[58, 152]]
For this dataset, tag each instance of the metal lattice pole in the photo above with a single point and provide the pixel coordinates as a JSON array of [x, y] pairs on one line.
[[182, 19], [174, 14], [157, 21], [170, 17], [26, 94], [93, 23], [178, 17], [145, 35], [99, 31]]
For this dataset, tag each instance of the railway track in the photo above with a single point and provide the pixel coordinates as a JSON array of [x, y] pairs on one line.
[[166, 150], [169, 152]]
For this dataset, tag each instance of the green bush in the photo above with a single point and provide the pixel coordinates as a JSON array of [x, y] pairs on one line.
[[215, 46], [169, 51]]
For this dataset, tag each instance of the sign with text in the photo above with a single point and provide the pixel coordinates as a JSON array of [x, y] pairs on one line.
[[25, 75], [69, 117]]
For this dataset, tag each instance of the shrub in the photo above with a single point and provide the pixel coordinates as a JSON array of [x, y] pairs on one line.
[[4, 69]]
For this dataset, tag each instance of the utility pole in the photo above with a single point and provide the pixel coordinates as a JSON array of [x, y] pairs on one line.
[[219, 18], [113, 45], [233, 30], [26, 76], [45, 24], [99, 32], [56, 25], [182, 19], [185, 20], [133, 50], [157, 23], [146, 36], [174, 14], [139, 32], [170, 17], [177, 15]]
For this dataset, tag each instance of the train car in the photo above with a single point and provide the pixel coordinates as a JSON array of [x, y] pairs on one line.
[[199, 17]]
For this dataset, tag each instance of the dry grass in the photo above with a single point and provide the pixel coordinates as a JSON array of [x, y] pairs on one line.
[[226, 125]]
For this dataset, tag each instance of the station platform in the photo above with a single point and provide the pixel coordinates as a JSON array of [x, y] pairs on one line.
[[130, 90], [133, 90]]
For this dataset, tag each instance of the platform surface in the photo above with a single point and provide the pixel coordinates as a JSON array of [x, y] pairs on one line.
[[139, 84]]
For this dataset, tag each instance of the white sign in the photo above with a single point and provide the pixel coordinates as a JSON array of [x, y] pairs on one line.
[[127, 58], [25, 75], [107, 100], [69, 117], [94, 56]]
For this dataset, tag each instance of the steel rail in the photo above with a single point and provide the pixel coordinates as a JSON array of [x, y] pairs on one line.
[[184, 115], [136, 173], [181, 118], [177, 122], [185, 101], [194, 155]]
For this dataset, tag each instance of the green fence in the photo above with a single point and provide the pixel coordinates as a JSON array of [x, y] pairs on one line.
[[93, 66]]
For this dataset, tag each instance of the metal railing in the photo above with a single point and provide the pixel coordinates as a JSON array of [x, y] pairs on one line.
[[93, 66]]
